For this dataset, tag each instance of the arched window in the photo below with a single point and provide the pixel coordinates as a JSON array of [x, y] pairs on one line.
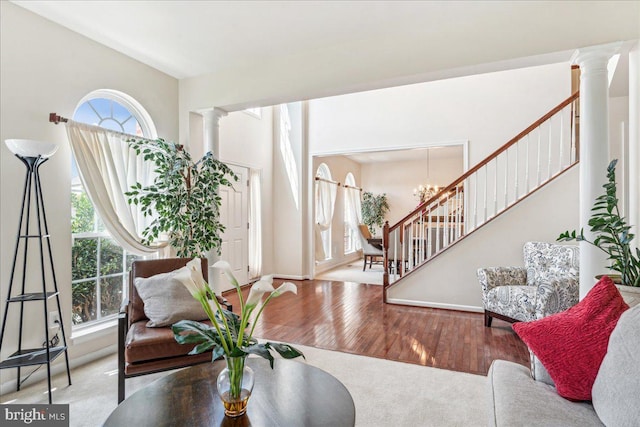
[[325, 202], [352, 215], [99, 264]]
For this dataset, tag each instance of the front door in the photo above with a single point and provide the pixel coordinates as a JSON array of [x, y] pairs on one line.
[[234, 214]]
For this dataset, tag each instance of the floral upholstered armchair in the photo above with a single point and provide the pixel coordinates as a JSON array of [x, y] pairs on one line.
[[548, 283]]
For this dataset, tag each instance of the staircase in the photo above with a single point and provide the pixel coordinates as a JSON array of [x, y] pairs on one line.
[[529, 161]]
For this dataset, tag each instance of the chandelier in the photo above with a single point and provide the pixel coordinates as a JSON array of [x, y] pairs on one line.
[[425, 192]]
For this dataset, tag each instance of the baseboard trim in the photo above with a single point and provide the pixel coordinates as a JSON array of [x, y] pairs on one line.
[[429, 304], [291, 277], [59, 367]]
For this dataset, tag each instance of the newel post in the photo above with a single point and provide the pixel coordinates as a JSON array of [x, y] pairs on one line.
[[385, 260]]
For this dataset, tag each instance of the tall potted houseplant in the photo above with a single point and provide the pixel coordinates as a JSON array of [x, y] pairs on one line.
[[183, 197], [374, 209], [612, 233]]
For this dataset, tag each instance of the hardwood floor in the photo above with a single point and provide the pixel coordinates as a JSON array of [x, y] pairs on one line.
[[351, 318]]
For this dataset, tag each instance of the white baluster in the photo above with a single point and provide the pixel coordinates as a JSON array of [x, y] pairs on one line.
[[549, 143], [475, 200], [486, 178], [516, 173], [539, 159], [506, 178], [526, 169], [459, 210], [429, 246], [437, 229], [495, 189], [445, 240], [561, 140]]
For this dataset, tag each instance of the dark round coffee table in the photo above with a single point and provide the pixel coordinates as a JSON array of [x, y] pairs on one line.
[[292, 394]]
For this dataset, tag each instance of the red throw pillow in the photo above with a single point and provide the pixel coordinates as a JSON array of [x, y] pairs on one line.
[[572, 344]]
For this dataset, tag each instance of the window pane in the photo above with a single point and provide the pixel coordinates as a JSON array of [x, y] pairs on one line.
[[110, 295], [110, 257], [84, 258], [83, 301], [82, 213], [130, 259]]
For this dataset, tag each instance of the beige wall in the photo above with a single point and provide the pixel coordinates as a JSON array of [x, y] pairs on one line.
[[290, 203], [398, 179], [485, 109], [45, 68], [248, 141]]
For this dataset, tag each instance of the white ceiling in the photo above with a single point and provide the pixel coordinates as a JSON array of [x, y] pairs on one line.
[[191, 38]]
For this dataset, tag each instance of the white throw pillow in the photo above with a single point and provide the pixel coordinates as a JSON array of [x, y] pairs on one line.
[[617, 387], [167, 301]]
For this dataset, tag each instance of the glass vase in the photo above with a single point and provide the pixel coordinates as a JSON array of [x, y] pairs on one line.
[[235, 384]]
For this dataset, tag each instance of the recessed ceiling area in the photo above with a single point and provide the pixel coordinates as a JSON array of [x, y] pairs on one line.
[[434, 153]]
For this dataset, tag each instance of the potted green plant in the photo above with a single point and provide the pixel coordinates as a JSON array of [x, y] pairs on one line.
[[612, 233], [374, 208], [183, 197]]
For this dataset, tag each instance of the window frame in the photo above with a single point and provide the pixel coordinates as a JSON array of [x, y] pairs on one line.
[[148, 129]]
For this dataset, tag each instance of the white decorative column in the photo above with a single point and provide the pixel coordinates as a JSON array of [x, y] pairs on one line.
[[594, 149], [211, 139], [211, 130], [634, 142]]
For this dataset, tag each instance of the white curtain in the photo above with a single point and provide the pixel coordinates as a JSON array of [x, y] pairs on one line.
[[325, 202], [108, 168], [255, 221], [354, 212]]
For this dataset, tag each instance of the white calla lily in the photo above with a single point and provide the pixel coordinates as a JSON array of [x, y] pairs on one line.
[[230, 329], [285, 287], [262, 286], [226, 270], [195, 267], [184, 276]]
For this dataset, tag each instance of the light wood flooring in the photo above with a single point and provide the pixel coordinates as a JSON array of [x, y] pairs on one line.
[[351, 318]]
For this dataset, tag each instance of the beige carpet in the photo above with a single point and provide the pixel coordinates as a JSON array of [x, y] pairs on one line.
[[352, 272], [385, 393]]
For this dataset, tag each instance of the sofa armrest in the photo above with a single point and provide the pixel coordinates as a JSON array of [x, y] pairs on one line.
[[492, 277], [556, 294], [516, 399]]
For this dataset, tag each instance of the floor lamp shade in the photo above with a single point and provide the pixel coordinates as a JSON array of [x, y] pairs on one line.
[[31, 148]]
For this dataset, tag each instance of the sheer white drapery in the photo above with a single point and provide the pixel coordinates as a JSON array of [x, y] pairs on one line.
[[107, 169], [325, 202], [255, 227], [354, 212]]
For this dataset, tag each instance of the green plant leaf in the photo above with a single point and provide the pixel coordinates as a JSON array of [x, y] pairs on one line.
[[286, 351]]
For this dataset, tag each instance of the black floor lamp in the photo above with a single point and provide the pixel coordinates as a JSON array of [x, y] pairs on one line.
[[33, 154]]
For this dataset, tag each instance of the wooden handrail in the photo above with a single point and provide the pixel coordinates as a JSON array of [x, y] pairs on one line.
[[451, 217], [489, 158]]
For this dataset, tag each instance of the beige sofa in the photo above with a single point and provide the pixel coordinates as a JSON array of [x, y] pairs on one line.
[[517, 399]]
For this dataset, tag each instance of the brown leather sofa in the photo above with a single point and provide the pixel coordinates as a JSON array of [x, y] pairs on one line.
[[143, 350]]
